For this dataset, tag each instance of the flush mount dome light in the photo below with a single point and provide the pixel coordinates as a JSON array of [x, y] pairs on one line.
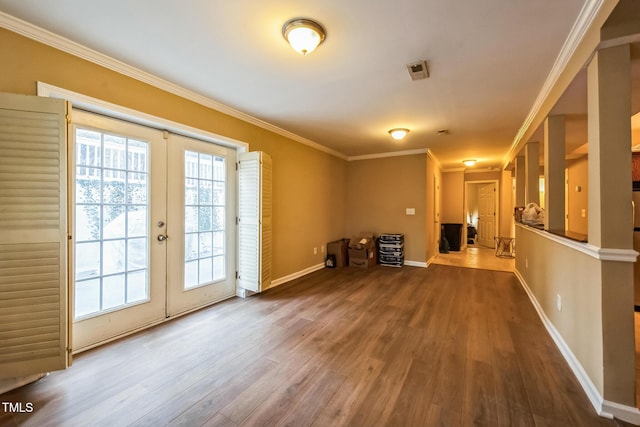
[[469, 162], [398, 133], [304, 35]]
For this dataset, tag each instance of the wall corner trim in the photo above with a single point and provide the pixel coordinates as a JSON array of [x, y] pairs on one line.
[[576, 367], [296, 275]]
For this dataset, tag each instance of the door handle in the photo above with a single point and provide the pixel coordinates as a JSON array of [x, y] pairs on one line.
[[162, 237]]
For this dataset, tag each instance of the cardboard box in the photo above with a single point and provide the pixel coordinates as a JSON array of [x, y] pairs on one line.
[[362, 251], [340, 251], [363, 241], [361, 263]]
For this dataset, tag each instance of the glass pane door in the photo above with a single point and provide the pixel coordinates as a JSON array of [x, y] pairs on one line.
[[111, 222], [119, 206], [204, 219], [201, 245]]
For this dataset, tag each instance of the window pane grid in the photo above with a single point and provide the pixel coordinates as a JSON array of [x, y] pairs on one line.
[[111, 244], [204, 190]]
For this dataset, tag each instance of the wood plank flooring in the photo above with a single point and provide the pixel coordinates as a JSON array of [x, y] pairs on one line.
[[476, 257], [443, 346]]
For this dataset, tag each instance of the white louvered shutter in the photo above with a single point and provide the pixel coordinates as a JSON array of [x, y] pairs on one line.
[[33, 235], [254, 221]]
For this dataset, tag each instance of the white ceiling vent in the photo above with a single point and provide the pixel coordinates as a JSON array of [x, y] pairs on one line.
[[418, 70]]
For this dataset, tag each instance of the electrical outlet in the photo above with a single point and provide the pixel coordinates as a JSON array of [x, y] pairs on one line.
[[322, 248], [583, 213], [315, 250], [559, 302], [526, 263]]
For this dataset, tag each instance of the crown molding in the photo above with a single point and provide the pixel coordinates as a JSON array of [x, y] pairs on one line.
[[388, 154], [482, 170], [48, 38], [435, 159], [590, 12]]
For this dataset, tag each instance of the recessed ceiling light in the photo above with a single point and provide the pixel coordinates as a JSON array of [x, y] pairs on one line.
[[469, 162], [398, 133]]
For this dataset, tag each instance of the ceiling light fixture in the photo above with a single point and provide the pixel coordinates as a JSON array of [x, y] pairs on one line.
[[398, 133], [469, 162], [304, 35]]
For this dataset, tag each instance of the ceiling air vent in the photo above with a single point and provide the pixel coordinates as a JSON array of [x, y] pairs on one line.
[[418, 70]]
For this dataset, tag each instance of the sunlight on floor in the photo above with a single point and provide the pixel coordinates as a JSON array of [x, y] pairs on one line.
[[476, 257]]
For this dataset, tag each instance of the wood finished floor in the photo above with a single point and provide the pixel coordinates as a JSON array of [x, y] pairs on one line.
[[476, 257], [443, 346]]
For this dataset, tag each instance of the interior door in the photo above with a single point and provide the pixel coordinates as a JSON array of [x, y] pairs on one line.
[[119, 210], [202, 224], [486, 214]]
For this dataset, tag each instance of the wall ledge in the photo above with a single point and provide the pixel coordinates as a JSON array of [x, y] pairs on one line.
[[604, 408], [603, 254]]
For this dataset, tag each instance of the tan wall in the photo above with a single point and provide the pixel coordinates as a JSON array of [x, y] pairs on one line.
[[580, 321], [379, 191], [309, 192], [578, 176], [452, 198]]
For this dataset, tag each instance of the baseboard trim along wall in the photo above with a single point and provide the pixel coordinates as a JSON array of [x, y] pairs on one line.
[[296, 275], [604, 408], [416, 263]]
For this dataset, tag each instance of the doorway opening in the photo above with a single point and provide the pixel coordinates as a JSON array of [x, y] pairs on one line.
[[481, 213]]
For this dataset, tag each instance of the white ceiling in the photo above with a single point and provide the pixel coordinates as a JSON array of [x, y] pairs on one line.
[[488, 61]]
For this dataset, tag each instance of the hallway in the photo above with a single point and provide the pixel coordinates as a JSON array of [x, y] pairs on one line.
[[476, 257]]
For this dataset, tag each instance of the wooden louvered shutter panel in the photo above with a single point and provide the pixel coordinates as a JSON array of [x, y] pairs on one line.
[[254, 221], [33, 235]]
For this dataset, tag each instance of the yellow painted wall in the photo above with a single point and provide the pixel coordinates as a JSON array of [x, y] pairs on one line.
[[380, 190], [542, 263], [308, 185], [452, 198], [578, 200]]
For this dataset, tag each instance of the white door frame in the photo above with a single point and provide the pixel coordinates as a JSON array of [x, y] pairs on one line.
[[496, 219]]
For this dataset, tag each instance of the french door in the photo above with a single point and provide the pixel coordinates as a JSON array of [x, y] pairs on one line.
[[201, 216], [130, 227]]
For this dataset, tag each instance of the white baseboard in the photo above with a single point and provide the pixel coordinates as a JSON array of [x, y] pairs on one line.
[[296, 275], [416, 263], [603, 408], [621, 412]]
